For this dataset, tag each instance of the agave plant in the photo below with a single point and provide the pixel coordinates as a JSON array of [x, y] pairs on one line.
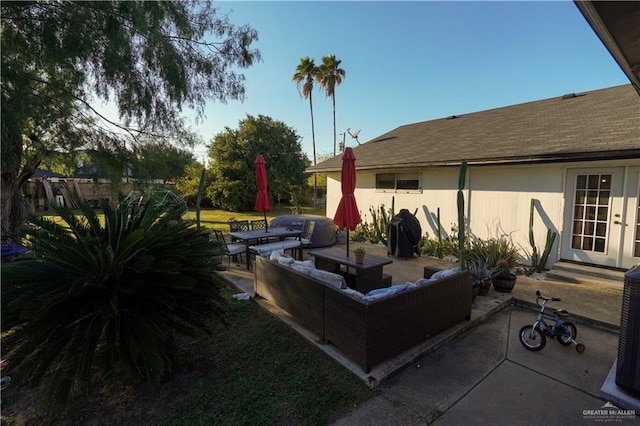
[[92, 302], [494, 249]]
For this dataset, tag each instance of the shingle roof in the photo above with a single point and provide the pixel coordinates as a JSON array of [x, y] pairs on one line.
[[599, 124]]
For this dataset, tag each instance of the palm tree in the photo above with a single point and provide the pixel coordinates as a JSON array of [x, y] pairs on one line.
[[306, 73], [100, 300], [330, 76]]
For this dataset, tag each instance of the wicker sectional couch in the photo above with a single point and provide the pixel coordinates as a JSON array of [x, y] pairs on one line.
[[368, 332]]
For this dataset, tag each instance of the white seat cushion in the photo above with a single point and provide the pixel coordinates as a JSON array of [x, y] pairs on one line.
[[266, 249], [445, 273], [334, 280]]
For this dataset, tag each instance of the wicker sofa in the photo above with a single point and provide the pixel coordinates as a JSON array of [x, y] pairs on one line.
[[368, 332]]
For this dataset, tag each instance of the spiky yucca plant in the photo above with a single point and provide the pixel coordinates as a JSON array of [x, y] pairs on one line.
[[94, 302]]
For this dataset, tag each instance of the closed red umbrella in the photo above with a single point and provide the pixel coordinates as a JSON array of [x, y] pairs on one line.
[[347, 214], [262, 199]]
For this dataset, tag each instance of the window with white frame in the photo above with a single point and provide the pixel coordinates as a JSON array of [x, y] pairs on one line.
[[409, 181]]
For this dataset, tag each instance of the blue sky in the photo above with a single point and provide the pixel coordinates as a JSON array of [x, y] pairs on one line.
[[407, 62]]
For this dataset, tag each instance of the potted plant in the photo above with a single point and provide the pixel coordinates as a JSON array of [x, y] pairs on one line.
[[481, 273], [359, 252], [503, 279]]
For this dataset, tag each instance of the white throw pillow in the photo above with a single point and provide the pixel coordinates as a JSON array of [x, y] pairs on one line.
[[334, 280], [396, 288], [305, 263], [423, 282], [445, 273], [302, 269], [378, 293], [276, 254], [285, 260], [354, 293]]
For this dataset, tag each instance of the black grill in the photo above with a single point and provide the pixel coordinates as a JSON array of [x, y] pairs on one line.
[[403, 235]]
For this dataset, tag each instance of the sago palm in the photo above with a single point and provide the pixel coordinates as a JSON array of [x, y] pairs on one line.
[[93, 302], [304, 77], [331, 75]]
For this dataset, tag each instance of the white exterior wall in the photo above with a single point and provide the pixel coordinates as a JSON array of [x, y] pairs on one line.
[[438, 192], [334, 192], [495, 197], [497, 200]]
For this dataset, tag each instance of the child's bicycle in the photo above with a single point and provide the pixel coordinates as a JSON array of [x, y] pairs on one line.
[[534, 337]]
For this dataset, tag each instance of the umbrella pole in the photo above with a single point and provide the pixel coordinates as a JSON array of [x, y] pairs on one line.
[[347, 242], [266, 225], [347, 251]]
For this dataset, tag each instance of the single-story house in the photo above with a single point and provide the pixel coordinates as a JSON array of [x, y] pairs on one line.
[[576, 155]]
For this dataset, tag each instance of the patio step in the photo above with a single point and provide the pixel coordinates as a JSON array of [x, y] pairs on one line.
[[578, 273]]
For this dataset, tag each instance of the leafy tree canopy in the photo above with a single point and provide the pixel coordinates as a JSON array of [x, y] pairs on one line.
[[160, 160], [233, 154], [150, 58], [187, 185]]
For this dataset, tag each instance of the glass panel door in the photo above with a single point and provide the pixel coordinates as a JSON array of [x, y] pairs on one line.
[[591, 212], [594, 206], [631, 252]]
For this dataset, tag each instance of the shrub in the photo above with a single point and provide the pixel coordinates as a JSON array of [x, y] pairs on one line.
[[364, 232], [92, 303], [380, 221], [444, 247], [493, 250]]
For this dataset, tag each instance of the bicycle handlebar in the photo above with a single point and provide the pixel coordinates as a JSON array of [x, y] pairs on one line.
[[540, 296]]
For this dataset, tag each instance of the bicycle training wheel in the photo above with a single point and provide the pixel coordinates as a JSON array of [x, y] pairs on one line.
[[533, 339], [570, 333]]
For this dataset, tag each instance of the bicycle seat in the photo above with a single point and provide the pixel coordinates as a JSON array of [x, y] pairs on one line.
[[561, 313]]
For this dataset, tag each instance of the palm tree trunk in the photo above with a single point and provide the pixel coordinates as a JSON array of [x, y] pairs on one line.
[[313, 141], [333, 98]]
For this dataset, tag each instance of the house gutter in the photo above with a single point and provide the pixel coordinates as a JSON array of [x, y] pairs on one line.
[[603, 30], [541, 159]]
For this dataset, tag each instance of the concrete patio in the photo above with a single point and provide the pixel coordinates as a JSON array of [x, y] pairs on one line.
[[591, 295], [447, 378]]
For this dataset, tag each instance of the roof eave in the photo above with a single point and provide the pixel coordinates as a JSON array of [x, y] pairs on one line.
[[603, 30], [538, 159]]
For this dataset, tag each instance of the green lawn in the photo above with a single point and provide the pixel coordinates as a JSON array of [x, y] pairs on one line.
[[219, 219], [255, 370]]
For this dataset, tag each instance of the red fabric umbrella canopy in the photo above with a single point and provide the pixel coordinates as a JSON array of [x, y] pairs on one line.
[[347, 214], [262, 199]]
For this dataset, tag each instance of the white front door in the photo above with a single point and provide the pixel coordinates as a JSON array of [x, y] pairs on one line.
[[631, 224], [601, 220]]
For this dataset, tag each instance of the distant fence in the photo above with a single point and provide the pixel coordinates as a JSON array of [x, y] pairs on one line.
[[40, 193]]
